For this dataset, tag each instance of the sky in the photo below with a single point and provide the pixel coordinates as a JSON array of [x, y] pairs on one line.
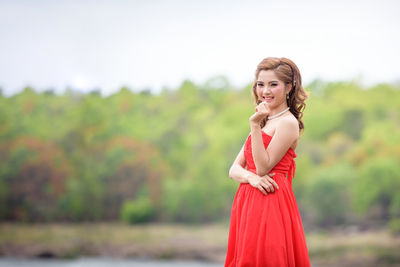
[[157, 44]]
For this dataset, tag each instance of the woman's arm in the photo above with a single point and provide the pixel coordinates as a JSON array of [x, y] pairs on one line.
[[286, 132], [238, 173]]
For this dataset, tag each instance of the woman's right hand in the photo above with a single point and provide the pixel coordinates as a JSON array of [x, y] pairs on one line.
[[264, 184]]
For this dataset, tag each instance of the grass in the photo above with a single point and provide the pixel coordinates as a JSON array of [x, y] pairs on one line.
[[180, 241]]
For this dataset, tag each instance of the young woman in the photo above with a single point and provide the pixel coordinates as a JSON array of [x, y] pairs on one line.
[[266, 227]]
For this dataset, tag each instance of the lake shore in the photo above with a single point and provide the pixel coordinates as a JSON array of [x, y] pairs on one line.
[[206, 242]]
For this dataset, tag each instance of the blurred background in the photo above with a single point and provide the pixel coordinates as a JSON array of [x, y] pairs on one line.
[[119, 121]]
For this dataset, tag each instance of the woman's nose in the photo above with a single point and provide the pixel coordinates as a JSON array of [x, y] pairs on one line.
[[266, 90]]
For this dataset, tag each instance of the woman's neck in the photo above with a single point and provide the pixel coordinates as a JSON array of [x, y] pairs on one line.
[[278, 109]]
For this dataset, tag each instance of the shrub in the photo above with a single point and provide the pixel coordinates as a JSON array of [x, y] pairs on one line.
[[394, 226], [327, 195], [137, 211]]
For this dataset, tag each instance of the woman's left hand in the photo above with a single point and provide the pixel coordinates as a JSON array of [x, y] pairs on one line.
[[262, 111]]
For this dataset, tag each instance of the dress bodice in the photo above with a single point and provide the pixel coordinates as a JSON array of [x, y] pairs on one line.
[[286, 165]]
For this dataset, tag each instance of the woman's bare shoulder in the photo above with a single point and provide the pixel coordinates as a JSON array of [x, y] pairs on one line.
[[289, 123]]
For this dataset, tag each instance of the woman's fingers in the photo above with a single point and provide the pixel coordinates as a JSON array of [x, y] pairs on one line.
[[268, 186], [272, 181], [262, 190], [262, 107], [271, 187]]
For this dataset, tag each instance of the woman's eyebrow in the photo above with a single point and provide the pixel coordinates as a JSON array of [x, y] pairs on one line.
[[269, 82]]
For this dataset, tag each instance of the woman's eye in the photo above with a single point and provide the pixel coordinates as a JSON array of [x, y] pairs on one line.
[[260, 84], [274, 84]]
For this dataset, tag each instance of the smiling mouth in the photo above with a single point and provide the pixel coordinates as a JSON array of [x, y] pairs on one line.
[[267, 98]]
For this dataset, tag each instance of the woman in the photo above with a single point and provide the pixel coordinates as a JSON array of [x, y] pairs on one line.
[[266, 227]]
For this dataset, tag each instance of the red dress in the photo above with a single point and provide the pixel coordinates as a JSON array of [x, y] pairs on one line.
[[266, 230]]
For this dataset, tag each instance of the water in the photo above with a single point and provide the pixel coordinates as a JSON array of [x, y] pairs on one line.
[[100, 262]]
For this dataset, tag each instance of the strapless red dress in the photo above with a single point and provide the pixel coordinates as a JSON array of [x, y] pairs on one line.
[[266, 230]]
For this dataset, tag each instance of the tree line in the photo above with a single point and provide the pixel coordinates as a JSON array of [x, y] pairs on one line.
[[143, 157]]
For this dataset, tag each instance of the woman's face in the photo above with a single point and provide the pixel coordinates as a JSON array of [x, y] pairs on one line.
[[270, 89]]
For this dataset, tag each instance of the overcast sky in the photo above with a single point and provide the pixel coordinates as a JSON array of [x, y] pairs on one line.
[[151, 44]]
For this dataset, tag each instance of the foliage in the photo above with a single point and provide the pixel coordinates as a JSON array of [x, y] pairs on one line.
[[80, 157], [137, 211], [394, 226], [327, 194], [378, 184]]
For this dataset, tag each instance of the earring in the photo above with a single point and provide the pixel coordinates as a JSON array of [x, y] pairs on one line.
[[287, 96]]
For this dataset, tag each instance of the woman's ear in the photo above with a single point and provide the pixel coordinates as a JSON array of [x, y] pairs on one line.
[[287, 89]]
